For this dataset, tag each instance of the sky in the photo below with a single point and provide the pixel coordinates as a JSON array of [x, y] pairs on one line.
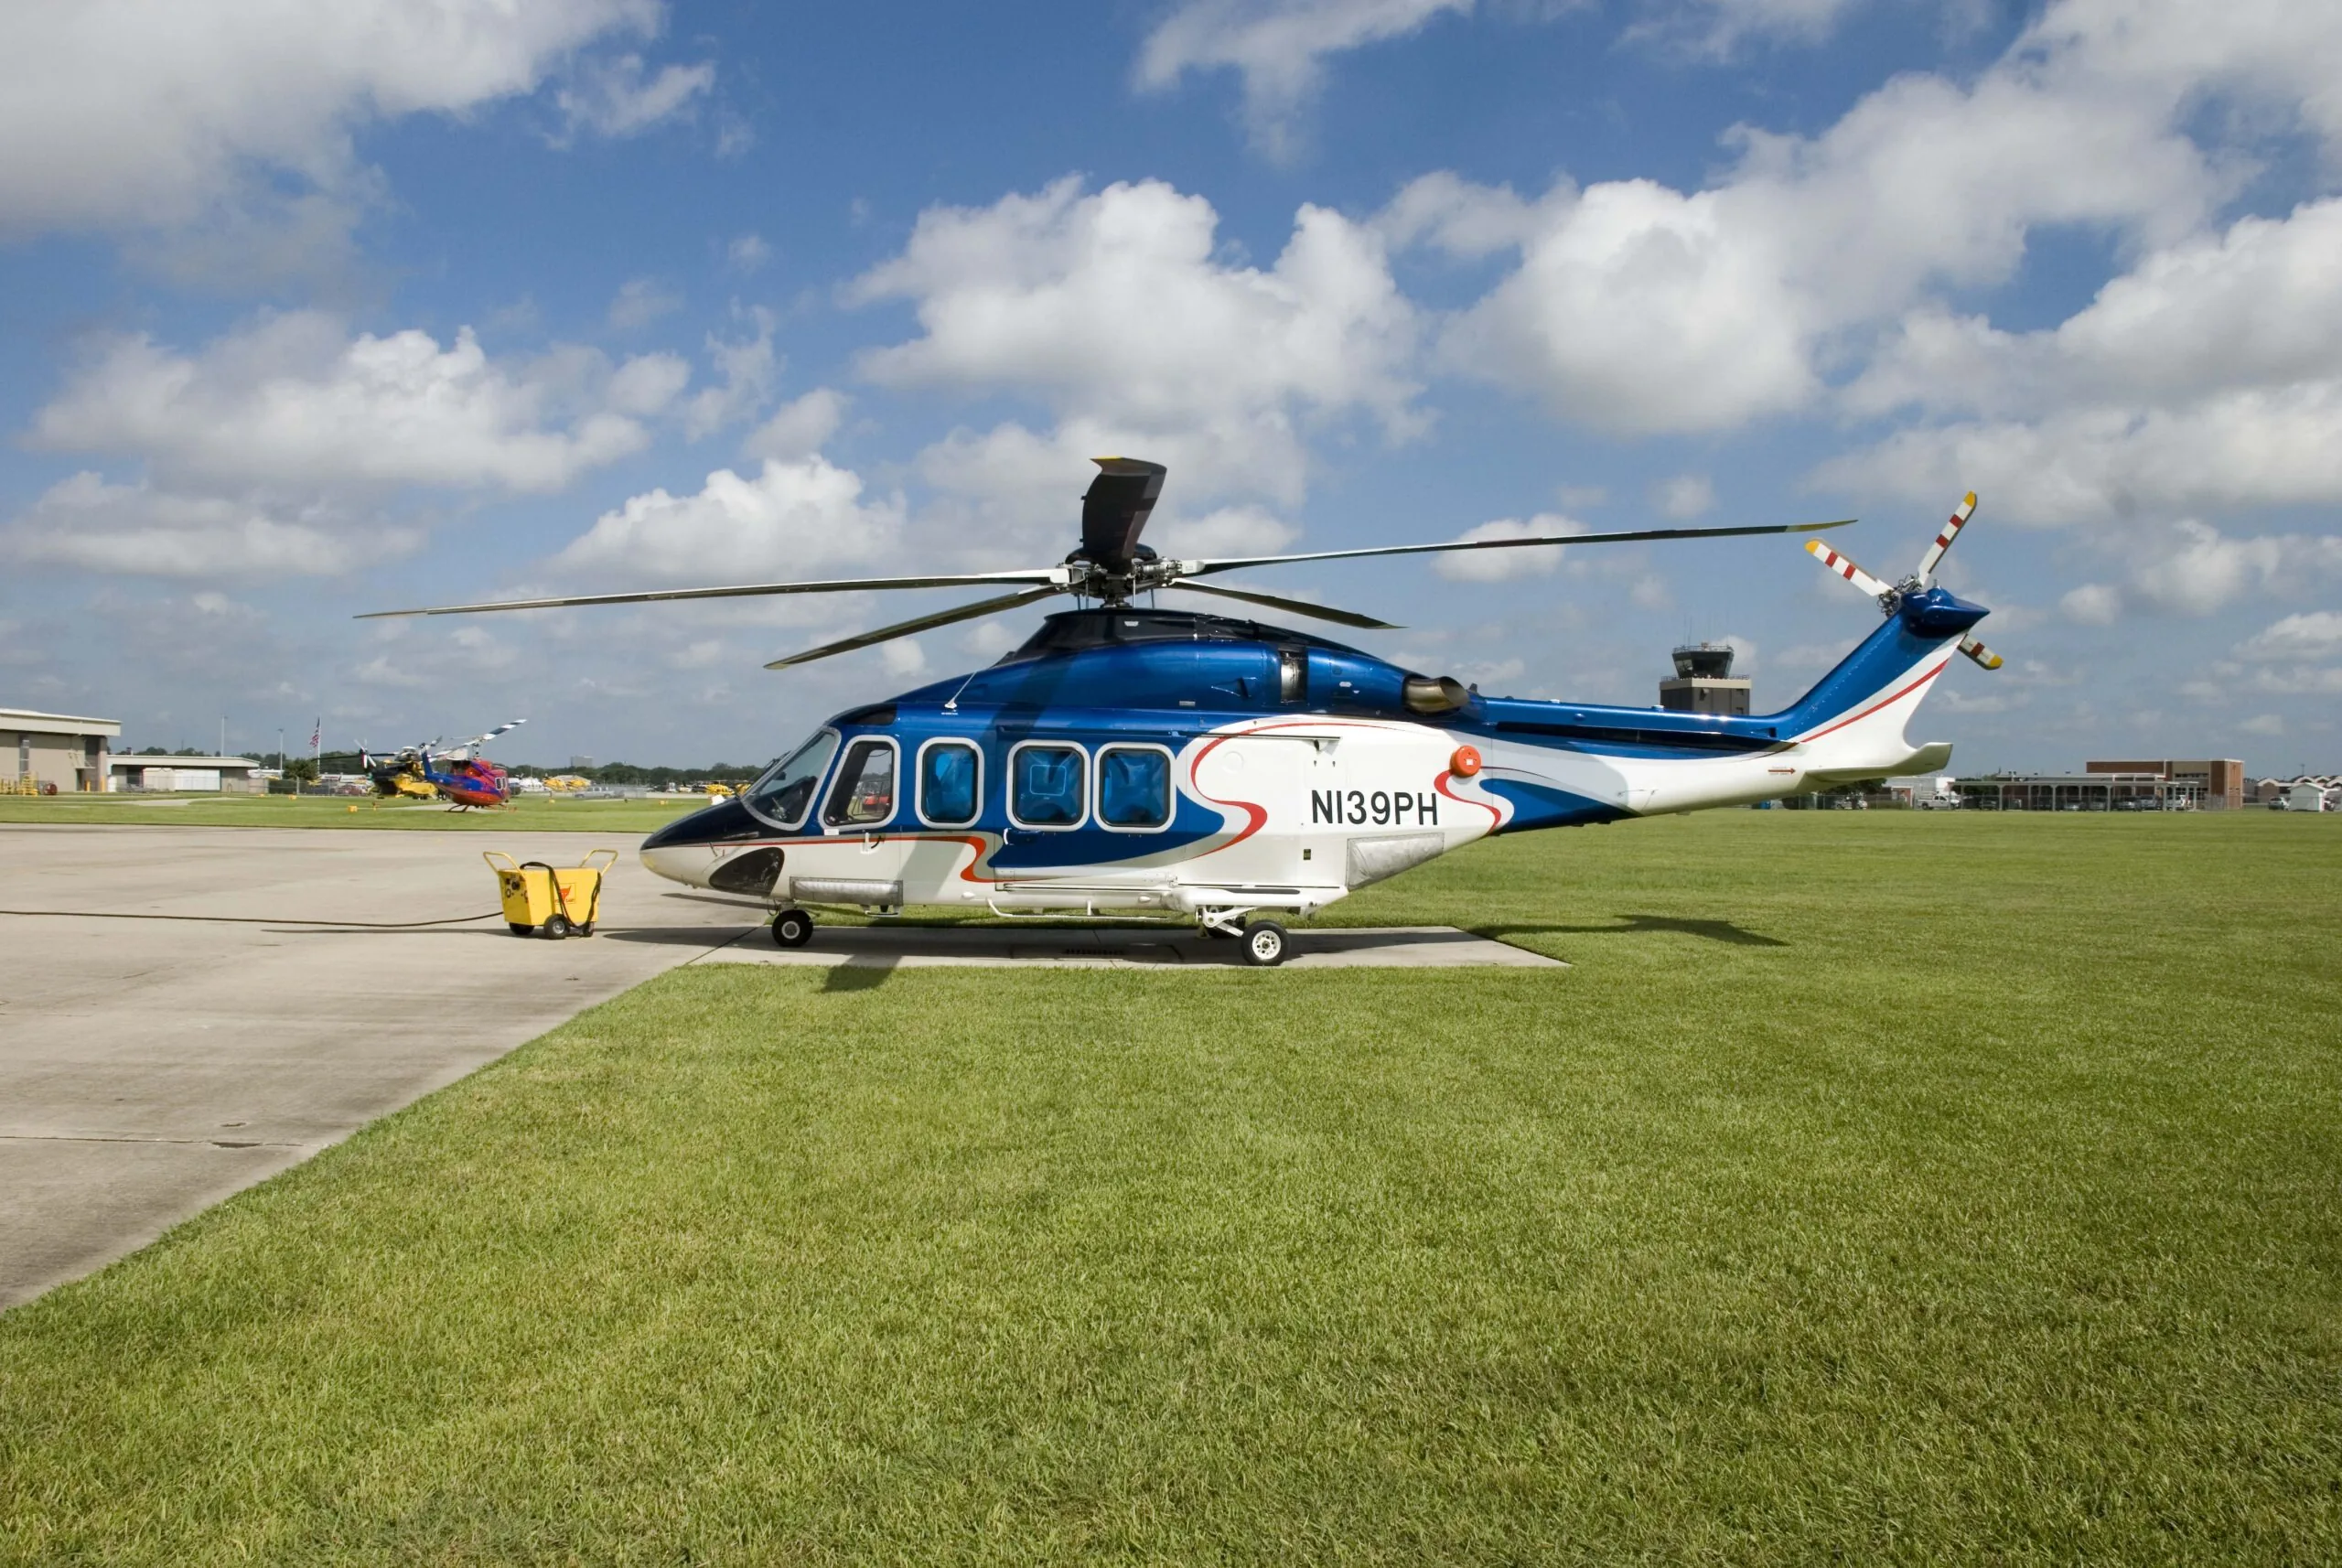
[[307, 311]]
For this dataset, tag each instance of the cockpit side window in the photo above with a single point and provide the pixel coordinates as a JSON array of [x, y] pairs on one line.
[[1293, 675], [784, 796], [864, 795], [951, 783]]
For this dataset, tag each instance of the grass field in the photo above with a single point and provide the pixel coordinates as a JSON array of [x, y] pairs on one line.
[[535, 814], [1879, 1188]]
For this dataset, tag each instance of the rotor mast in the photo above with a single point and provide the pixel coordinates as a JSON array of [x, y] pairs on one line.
[[1110, 564]]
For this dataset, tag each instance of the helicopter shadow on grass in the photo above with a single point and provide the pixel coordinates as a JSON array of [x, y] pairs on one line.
[[854, 976], [1639, 925]]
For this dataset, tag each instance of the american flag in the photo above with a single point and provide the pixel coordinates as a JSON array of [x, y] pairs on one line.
[[316, 730]]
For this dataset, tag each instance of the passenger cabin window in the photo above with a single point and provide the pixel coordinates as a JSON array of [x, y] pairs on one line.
[[1047, 784], [784, 796], [865, 792], [1133, 788], [949, 772]]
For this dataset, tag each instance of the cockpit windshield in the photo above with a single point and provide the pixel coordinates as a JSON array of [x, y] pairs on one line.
[[785, 794]]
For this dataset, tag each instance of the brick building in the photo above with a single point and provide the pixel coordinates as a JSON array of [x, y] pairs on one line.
[[2219, 781]]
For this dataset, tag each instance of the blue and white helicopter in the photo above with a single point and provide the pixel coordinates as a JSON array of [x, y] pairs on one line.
[[1128, 760]]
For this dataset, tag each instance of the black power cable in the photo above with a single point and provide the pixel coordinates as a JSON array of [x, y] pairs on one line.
[[255, 919]]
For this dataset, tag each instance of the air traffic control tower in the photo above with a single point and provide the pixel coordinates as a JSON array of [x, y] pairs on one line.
[[1703, 681]]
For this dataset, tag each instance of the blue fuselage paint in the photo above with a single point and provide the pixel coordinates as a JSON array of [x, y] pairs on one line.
[[1337, 754]]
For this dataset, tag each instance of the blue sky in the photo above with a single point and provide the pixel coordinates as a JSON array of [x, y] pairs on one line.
[[313, 310]]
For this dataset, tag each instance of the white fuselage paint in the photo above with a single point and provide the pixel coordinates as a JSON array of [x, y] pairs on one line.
[[1314, 807]]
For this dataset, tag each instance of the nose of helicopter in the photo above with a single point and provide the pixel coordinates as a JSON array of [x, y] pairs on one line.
[[686, 849]]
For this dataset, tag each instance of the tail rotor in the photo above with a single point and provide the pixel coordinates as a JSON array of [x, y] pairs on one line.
[[1890, 596]]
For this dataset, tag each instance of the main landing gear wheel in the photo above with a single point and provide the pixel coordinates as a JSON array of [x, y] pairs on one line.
[[793, 928], [1264, 944]]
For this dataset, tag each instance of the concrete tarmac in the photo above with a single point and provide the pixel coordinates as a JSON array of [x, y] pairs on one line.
[[151, 1066]]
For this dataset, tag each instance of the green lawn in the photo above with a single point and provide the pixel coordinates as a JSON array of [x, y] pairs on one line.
[[527, 813], [1879, 1188]]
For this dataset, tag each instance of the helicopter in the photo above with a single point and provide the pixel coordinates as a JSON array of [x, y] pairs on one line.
[[429, 772], [1135, 761]]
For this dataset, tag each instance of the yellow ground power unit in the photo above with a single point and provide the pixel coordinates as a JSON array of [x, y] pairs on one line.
[[550, 900]]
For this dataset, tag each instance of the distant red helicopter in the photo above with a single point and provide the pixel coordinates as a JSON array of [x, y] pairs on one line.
[[458, 773]]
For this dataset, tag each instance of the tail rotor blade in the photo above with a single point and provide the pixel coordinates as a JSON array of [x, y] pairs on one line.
[[1836, 562], [1929, 561], [1979, 652]]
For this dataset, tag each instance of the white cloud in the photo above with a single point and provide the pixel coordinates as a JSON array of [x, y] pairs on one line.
[[1809, 656], [2195, 569], [86, 523], [618, 97], [1717, 29], [1115, 305], [2263, 723], [639, 302], [798, 429], [1643, 309], [1640, 308], [2315, 635], [2299, 681], [903, 656], [792, 519], [990, 639], [2093, 603], [280, 449], [2204, 377], [2191, 568], [1498, 565], [1652, 593], [744, 371], [1464, 219], [748, 253], [1684, 496], [1231, 530], [239, 115], [1278, 47], [1117, 311], [297, 401]]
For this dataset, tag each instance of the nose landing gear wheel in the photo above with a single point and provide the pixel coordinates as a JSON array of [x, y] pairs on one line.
[[1264, 944], [793, 928]]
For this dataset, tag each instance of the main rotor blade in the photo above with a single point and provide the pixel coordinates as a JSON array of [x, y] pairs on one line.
[[484, 739], [906, 627], [1294, 607], [1052, 576], [1201, 568]]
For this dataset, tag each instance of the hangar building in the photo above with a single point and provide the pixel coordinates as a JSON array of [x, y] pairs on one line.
[[230, 774], [66, 750]]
